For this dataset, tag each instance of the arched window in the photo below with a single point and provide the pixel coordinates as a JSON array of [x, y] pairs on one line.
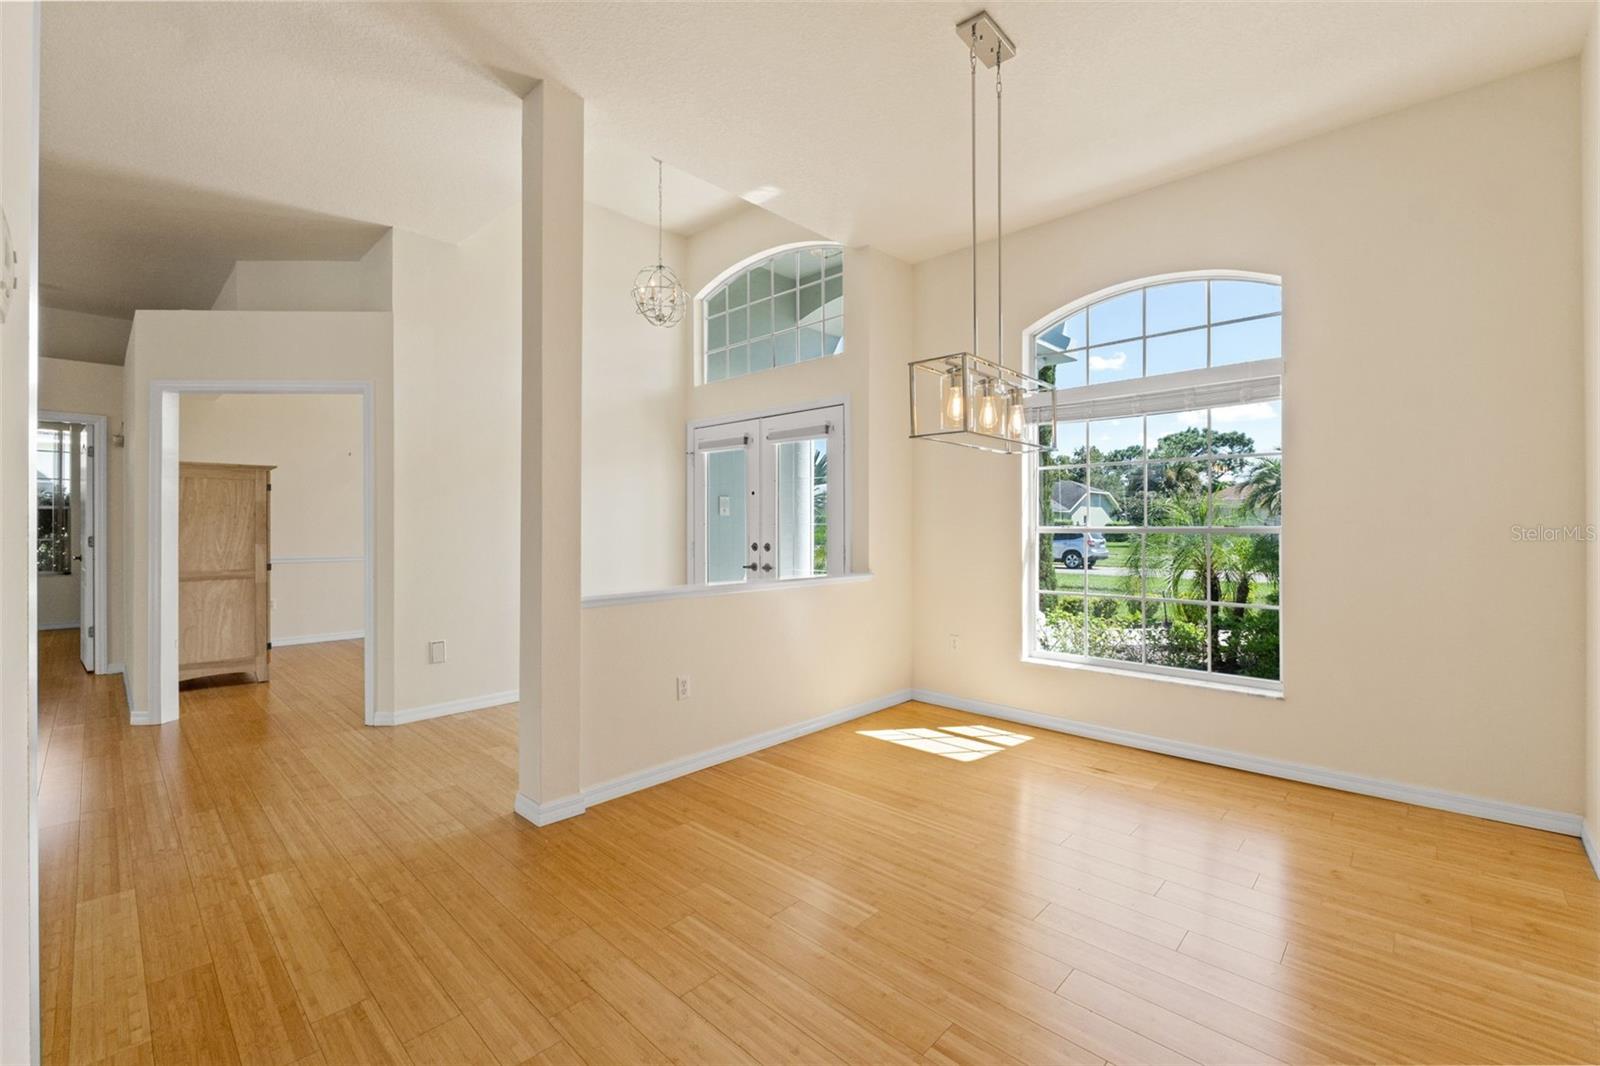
[[1157, 505], [777, 309]]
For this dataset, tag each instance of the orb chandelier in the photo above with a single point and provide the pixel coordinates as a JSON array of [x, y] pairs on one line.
[[963, 398], [656, 292]]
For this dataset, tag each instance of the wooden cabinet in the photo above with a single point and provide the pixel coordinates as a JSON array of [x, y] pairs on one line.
[[224, 541]]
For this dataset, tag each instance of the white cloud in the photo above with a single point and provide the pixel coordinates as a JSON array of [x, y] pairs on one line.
[[1114, 361]]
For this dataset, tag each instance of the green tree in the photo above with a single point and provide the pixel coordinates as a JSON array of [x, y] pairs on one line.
[[1263, 489]]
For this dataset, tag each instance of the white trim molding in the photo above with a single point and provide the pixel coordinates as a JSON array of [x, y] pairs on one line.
[[280, 559], [161, 574], [1417, 795], [1591, 846], [100, 440], [318, 638], [594, 795], [45, 627], [136, 716], [441, 710], [691, 592], [554, 811]]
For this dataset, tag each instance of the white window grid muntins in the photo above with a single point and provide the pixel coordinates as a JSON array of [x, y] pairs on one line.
[[732, 345], [1189, 391]]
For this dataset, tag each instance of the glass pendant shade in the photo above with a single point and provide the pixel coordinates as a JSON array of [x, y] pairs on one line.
[[967, 400]]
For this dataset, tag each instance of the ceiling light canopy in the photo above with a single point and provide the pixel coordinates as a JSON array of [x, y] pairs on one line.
[[963, 398]]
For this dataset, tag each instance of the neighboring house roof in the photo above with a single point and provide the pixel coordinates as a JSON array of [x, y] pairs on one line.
[[1068, 495], [1232, 493]]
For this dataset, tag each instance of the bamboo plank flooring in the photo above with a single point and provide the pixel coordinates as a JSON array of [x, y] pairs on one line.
[[267, 881]]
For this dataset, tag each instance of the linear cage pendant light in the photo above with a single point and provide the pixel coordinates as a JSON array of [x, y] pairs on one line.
[[656, 292], [963, 398]]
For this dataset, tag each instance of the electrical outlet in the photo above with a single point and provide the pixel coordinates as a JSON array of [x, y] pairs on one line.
[[683, 688], [955, 641], [435, 652]]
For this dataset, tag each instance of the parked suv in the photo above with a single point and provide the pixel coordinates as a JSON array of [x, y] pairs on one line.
[[1071, 549]]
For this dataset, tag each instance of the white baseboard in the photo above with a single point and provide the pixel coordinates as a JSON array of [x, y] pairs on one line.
[[135, 716], [46, 627], [318, 638], [115, 668], [655, 775], [1421, 796], [595, 795], [441, 710], [1592, 846], [547, 813]]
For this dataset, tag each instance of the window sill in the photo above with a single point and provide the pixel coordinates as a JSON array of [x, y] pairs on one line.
[[1143, 675], [692, 592]]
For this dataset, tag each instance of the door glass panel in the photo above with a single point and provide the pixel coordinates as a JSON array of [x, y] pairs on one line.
[[802, 508], [727, 496]]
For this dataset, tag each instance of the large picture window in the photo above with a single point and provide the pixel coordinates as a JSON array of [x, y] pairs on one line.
[[782, 309], [1156, 509]]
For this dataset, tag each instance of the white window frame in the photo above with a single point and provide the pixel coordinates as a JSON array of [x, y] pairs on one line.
[[759, 433], [1187, 390], [702, 313]]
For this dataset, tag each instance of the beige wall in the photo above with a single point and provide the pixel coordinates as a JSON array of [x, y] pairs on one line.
[[315, 444], [445, 369], [310, 285], [457, 376], [258, 346], [1433, 398], [19, 853], [1590, 139], [634, 393], [762, 661], [73, 387]]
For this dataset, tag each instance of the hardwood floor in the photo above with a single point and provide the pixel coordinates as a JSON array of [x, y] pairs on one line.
[[267, 881]]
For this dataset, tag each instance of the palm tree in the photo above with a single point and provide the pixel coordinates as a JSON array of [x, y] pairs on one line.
[[1263, 489], [1173, 564]]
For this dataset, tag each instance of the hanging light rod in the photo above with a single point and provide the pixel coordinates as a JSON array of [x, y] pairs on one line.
[[656, 292], [963, 398], [987, 39]]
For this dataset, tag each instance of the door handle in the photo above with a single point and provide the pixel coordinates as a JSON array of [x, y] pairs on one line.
[[752, 566]]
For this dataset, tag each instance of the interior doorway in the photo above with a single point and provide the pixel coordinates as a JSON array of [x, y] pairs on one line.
[[70, 501], [234, 420]]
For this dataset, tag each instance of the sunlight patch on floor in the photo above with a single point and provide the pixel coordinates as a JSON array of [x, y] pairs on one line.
[[963, 743]]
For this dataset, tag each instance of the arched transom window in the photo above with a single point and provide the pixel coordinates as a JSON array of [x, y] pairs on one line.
[[773, 311], [1157, 505]]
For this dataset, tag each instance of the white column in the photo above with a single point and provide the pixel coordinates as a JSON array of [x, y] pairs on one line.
[[552, 384]]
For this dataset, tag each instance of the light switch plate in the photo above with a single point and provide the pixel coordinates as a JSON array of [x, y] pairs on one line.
[[435, 652]]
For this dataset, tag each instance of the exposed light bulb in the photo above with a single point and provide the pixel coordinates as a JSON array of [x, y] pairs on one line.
[[1016, 420], [955, 400], [989, 411]]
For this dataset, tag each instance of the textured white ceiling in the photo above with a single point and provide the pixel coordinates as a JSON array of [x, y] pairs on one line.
[[175, 134], [623, 179]]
